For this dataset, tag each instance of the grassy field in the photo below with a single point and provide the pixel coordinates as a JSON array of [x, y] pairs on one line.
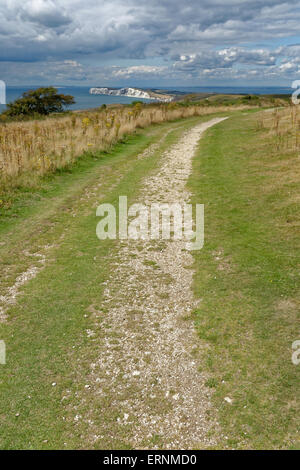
[[264, 101], [247, 277], [33, 148]]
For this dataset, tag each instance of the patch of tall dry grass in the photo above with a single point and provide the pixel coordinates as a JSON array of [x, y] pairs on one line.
[[283, 125], [42, 146]]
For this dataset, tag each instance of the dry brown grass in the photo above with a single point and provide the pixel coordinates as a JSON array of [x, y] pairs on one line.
[[284, 127], [42, 146]]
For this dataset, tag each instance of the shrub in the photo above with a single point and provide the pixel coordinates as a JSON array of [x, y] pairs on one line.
[[42, 101]]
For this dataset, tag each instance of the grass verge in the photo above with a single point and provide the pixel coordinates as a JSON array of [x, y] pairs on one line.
[[50, 347], [247, 277]]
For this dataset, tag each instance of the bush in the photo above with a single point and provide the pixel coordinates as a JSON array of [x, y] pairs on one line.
[[42, 101]]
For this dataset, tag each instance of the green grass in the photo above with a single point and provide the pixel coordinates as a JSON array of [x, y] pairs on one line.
[[46, 330], [248, 278]]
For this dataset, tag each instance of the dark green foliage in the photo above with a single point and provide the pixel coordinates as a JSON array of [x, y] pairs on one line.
[[42, 101]]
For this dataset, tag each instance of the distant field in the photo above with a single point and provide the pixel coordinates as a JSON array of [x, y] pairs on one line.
[[218, 99]]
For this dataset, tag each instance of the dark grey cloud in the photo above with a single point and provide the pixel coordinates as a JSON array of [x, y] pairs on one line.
[[45, 13]]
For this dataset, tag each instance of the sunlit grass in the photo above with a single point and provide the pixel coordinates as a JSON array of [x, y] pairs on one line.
[[34, 148], [247, 276]]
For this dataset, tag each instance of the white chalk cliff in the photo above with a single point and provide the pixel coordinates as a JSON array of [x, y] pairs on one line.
[[131, 92]]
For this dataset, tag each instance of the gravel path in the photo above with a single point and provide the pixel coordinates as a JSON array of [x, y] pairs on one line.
[[151, 359]]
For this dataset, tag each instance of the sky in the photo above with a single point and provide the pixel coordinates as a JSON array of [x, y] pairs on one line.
[[150, 42]]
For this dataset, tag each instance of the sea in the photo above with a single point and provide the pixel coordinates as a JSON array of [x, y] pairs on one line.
[[84, 100]]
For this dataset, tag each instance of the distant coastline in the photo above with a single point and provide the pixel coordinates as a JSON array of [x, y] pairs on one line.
[[84, 100]]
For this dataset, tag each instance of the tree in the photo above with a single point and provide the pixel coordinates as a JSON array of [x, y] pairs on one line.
[[41, 101]]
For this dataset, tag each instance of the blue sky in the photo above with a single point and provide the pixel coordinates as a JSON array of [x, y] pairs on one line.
[[150, 43]]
